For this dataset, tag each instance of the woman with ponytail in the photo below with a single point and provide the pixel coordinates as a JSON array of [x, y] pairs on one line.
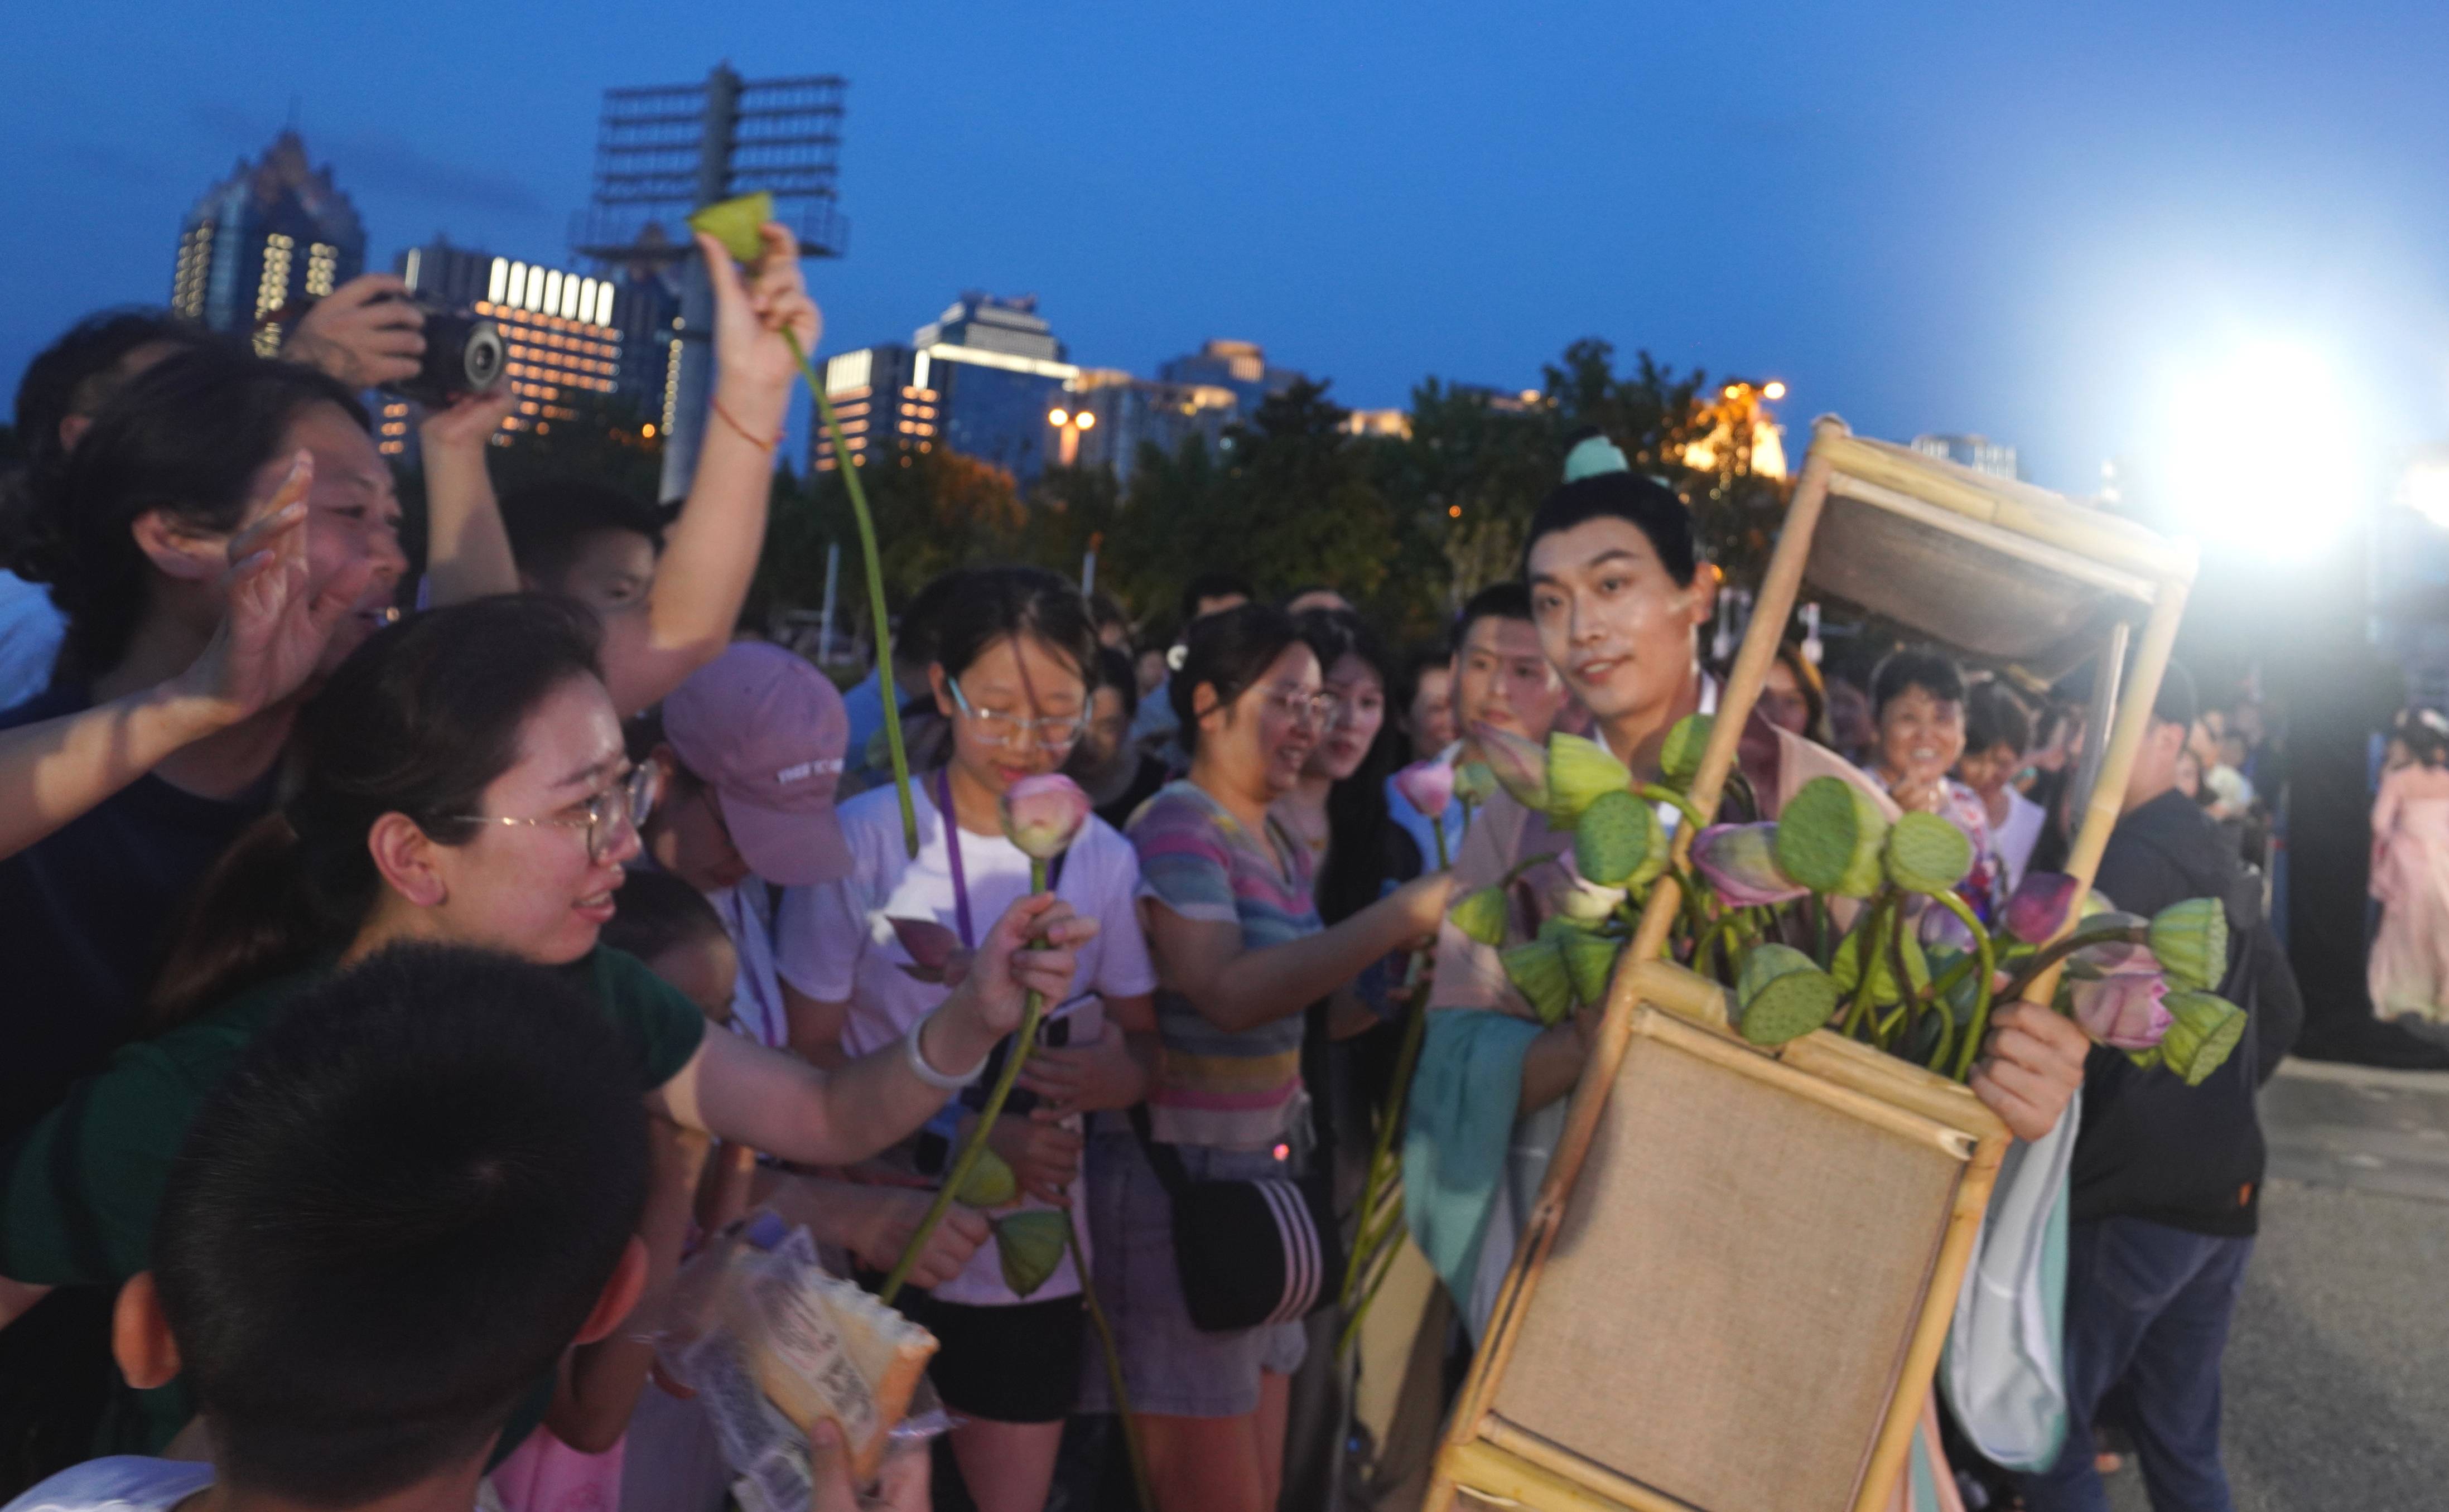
[[461, 779]]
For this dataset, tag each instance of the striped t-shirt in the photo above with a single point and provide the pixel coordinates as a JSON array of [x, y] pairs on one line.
[[1219, 1087]]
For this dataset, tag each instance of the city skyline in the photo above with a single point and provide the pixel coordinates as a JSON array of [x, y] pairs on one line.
[[2013, 226]]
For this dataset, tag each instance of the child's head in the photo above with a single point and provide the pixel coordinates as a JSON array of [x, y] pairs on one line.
[[1016, 660], [416, 1190], [670, 926], [1998, 732]]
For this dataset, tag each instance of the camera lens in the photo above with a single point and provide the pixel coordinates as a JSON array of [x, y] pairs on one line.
[[481, 356]]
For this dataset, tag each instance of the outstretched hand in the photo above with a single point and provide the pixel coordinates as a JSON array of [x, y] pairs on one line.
[[470, 421], [366, 333], [273, 634]]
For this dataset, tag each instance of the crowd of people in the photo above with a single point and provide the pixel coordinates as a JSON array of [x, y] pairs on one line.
[[422, 944]]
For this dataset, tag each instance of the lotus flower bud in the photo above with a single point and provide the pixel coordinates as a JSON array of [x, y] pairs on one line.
[[1519, 766], [2205, 1028], [1619, 841], [2039, 906], [1580, 902], [1538, 972], [2104, 956], [1739, 863], [1926, 854], [1042, 814], [1579, 771], [1828, 838], [1846, 966], [991, 1182], [1427, 786], [2124, 1008], [1482, 915], [738, 224], [1679, 759], [1475, 783], [1030, 1244], [2190, 941], [1781, 994]]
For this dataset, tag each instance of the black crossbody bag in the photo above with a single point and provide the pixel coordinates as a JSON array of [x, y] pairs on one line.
[[1248, 1253]]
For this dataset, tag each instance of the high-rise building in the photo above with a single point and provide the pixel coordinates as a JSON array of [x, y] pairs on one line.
[[1113, 414], [562, 333], [274, 232], [985, 380], [1995, 458], [1240, 366]]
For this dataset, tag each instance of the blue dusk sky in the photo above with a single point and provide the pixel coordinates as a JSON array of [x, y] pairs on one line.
[[2037, 222]]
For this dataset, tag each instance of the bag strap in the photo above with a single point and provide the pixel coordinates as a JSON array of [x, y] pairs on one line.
[[1170, 1172]]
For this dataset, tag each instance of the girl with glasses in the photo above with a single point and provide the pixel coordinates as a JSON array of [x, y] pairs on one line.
[[405, 767], [1014, 665]]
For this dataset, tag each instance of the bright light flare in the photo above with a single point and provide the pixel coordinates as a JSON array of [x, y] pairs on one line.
[[1057, 417], [1084, 420], [1774, 390], [2426, 490], [2265, 452]]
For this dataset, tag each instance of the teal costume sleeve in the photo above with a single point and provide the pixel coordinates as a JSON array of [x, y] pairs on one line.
[[1457, 1132]]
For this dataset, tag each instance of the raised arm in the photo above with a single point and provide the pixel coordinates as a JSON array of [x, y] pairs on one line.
[[467, 549], [710, 551], [788, 1107], [1236, 988]]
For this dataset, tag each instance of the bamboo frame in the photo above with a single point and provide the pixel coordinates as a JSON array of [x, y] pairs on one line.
[[1510, 1462]]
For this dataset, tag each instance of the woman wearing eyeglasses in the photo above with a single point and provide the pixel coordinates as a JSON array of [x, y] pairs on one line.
[[1240, 951], [1015, 658], [460, 780]]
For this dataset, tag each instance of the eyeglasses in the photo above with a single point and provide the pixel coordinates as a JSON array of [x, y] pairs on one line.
[[606, 816], [1052, 733], [1304, 708]]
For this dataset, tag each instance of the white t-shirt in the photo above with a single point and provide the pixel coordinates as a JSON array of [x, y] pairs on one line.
[[833, 942], [756, 1012], [2013, 839], [123, 1483]]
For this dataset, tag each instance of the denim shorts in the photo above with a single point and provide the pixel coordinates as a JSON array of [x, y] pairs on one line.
[[1169, 1367]]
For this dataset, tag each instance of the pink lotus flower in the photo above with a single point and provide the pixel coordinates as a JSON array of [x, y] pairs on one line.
[[2040, 905], [932, 948], [2124, 1008], [1042, 814], [1521, 766], [1739, 861], [1427, 786]]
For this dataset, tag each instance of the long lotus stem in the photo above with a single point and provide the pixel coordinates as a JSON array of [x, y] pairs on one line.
[[1976, 1027], [1382, 1149], [1113, 1363], [875, 594], [1351, 1333], [2051, 954], [1865, 962], [1653, 793], [1024, 1039]]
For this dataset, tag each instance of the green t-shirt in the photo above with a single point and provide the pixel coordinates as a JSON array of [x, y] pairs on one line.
[[80, 1191]]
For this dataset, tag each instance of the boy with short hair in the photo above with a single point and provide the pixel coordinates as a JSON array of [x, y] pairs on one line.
[[421, 1187]]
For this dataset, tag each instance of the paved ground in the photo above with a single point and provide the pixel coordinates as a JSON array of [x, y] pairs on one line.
[[2338, 1373]]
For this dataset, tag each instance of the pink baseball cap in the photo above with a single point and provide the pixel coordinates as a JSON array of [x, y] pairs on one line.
[[767, 730]]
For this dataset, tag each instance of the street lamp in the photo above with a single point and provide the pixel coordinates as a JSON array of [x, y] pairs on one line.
[[1068, 425]]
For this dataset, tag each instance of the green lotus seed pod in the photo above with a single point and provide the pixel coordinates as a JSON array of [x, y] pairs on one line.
[[1475, 783], [736, 224], [1925, 854], [1579, 771], [2189, 939], [1030, 1245], [1828, 839], [1679, 759], [2206, 1029], [1782, 994], [1481, 915], [1617, 840], [1590, 962], [989, 1183], [1538, 972], [1847, 967]]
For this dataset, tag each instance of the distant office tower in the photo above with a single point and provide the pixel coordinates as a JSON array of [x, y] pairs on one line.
[[1240, 366], [1113, 415], [274, 231], [986, 378], [1981, 453], [562, 330]]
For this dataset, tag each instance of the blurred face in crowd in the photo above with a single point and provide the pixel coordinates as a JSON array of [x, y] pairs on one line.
[[687, 836], [1151, 668], [1921, 736], [1849, 717], [1109, 730], [1259, 743], [539, 892], [1019, 709], [1502, 677], [1613, 620], [1987, 773], [706, 969], [1431, 717], [1353, 722], [1783, 702], [610, 572], [2189, 774]]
